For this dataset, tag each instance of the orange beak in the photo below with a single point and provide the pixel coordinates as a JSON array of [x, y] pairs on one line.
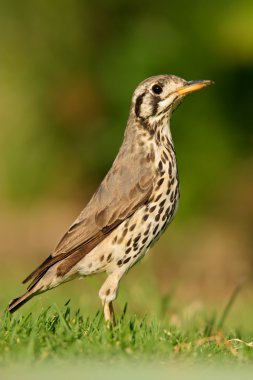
[[194, 85]]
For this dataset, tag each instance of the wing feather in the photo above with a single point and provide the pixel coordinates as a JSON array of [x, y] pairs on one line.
[[127, 186]]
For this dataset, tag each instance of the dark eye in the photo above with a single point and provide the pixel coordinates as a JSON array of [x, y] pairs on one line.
[[157, 89]]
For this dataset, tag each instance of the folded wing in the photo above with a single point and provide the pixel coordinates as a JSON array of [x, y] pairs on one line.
[[127, 186]]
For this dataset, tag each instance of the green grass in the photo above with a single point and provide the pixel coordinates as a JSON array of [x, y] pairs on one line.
[[65, 335], [156, 333]]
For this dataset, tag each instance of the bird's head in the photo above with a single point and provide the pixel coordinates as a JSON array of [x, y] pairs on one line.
[[157, 97]]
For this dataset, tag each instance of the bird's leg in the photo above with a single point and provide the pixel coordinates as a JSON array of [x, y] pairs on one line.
[[108, 293], [109, 313]]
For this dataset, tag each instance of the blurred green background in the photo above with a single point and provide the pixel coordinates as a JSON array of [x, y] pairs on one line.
[[67, 73]]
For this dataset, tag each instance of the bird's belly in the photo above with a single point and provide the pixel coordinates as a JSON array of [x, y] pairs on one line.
[[131, 239]]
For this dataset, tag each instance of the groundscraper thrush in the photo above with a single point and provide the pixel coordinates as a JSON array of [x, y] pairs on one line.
[[133, 205]]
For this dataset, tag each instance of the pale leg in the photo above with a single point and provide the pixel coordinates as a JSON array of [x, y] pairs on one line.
[[108, 293], [109, 313]]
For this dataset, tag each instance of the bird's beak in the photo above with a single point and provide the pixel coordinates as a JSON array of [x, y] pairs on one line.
[[193, 85]]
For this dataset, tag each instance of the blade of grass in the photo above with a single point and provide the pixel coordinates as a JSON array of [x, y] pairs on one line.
[[228, 306]]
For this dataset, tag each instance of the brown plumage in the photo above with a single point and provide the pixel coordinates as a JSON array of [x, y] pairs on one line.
[[115, 200], [114, 221]]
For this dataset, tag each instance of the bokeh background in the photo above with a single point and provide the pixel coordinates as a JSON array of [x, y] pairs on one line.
[[67, 73]]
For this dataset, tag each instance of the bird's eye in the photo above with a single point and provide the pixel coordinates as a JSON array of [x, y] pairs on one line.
[[157, 89]]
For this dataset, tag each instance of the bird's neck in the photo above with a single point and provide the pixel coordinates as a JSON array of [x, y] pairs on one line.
[[153, 136], [162, 135]]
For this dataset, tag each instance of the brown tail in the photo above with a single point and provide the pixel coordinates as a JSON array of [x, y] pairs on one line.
[[18, 302]]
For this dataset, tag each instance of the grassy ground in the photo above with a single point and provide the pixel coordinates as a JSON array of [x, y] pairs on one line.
[[163, 342], [64, 335], [158, 333]]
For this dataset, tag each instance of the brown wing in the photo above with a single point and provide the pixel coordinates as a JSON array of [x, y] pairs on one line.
[[126, 187]]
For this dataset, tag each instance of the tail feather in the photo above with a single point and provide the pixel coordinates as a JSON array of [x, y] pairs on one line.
[[38, 271], [18, 302]]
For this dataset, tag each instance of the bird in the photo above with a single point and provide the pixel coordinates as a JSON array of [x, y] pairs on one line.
[[133, 205]]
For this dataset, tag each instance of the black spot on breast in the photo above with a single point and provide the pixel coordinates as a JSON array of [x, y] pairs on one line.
[[160, 166], [129, 242], [132, 227], [170, 169], [172, 181], [145, 217], [161, 204], [168, 209], [144, 240], [124, 232], [157, 217], [158, 197], [147, 230], [128, 250], [123, 235], [126, 260], [152, 208], [155, 229], [160, 210], [160, 182], [165, 156], [109, 258], [165, 217], [119, 263], [137, 238]]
